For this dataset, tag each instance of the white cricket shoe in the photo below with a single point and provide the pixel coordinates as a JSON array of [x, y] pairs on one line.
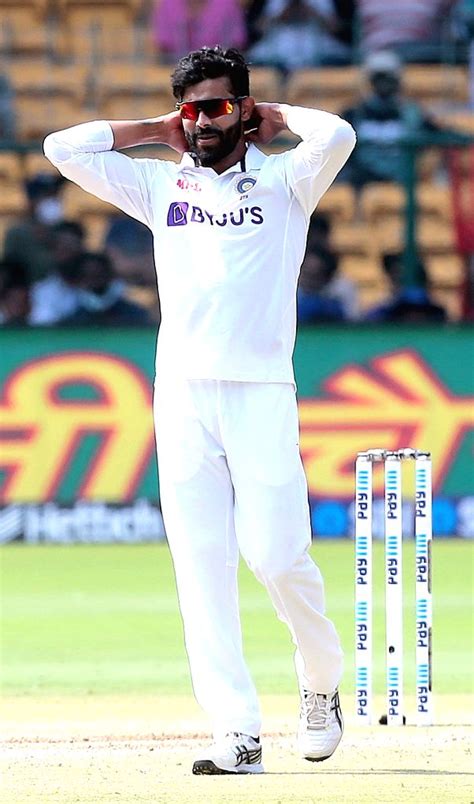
[[235, 753], [321, 725]]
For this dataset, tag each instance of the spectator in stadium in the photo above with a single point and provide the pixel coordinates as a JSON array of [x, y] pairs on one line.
[[415, 30], [301, 33], [56, 296], [410, 304], [30, 241], [464, 18], [314, 303], [254, 10], [463, 25], [101, 296], [323, 294], [14, 293], [381, 120], [346, 20], [183, 25], [7, 111], [129, 244]]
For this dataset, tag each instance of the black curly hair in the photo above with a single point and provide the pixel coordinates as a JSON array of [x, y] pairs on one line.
[[211, 62]]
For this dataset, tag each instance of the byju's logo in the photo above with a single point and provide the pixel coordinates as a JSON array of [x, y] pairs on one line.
[[177, 213], [180, 214]]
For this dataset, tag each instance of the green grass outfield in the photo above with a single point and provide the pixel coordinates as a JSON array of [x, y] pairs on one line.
[[104, 619]]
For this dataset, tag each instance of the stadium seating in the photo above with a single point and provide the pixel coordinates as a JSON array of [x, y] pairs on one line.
[[133, 105], [11, 172], [266, 84], [450, 299], [363, 269], [330, 88], [40, 6], [77, 202], [133, 90], [462, 120], [381, 201], [98, 34], [435, 83], [35, 162], [41, 110], [339, 203], [22, 31], [371, 295], [435, 237], [12, 202], [434, 201], [445, 271], [29, 75], [90, 211], [354, 238], [71, 60], [102, 7], [133, 75]]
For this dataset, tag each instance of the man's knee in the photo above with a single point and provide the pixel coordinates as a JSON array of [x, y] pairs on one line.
[[272, 567]]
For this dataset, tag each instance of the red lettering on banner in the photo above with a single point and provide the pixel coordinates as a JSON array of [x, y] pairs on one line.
[[40, 431], [397, 402]]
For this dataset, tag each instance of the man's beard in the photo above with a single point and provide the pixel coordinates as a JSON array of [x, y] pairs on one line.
[[213, 154]]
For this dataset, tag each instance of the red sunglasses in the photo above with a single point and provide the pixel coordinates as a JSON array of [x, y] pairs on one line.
[[214, 107]]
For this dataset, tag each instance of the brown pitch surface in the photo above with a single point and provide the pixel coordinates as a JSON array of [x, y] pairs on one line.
[[129, 749]]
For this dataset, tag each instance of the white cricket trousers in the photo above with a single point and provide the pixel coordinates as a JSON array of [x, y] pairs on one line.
[[231, 478]]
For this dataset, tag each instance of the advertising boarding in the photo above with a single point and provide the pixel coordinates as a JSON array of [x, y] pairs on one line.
[[77, 450]]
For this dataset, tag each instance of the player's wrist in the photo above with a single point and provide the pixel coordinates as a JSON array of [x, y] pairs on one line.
[[165, 130]]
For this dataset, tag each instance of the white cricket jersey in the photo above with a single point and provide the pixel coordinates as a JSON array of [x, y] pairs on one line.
[[228, 247]]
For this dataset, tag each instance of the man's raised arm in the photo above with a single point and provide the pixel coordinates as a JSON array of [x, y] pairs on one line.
[[327, 141], [88, 155]]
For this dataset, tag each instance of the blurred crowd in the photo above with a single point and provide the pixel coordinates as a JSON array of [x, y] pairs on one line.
[[291, 34], [48, 276]]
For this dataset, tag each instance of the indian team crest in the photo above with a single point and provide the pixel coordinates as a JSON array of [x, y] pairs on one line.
[[245, 185]]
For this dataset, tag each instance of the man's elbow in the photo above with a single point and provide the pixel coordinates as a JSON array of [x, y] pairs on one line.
[[54, 150], [344, 136]]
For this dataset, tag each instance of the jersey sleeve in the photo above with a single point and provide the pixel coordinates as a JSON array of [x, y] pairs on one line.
[[312, 166], [84, 154]]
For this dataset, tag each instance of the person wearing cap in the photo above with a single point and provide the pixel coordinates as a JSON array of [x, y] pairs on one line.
[[30, 241], [381, 120]]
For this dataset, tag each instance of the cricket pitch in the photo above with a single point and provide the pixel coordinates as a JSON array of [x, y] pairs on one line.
[[130, 749]]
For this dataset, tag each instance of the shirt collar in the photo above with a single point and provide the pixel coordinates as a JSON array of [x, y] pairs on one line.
[[252, 160]]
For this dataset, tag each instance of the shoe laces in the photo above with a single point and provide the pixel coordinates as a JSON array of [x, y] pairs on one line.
[[316, 709], [233, 737]]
